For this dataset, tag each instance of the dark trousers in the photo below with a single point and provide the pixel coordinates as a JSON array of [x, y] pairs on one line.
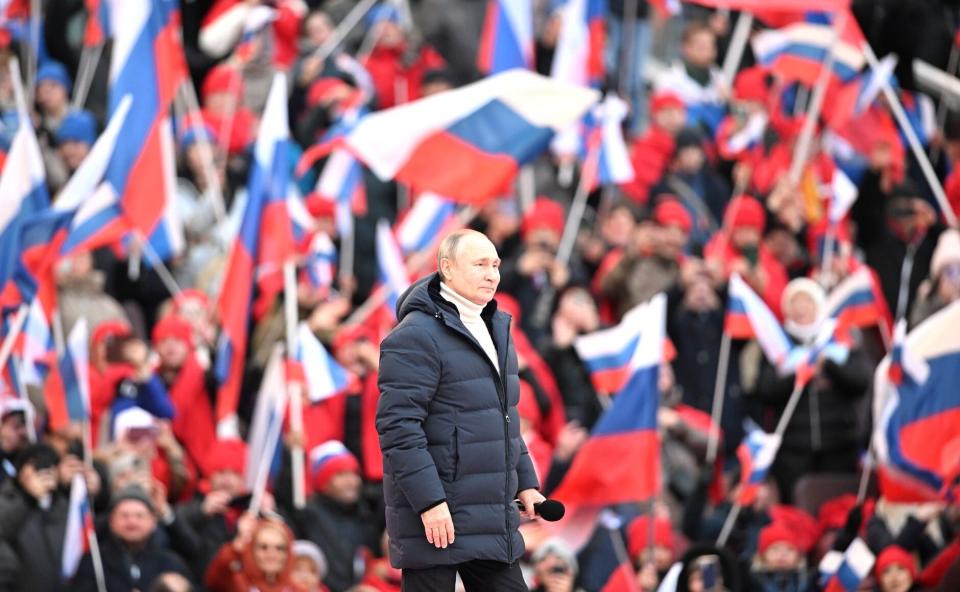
[[479, 575]]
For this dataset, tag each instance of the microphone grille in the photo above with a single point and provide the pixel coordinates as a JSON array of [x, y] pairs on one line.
[[551, 510]]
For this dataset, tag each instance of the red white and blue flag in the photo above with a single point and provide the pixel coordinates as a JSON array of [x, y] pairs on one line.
[[578, 57], [76, 541], [843, 572], [609, 354], [37, 345], [624, 441], [828, 344], [393, 274], [66, 390], [266, 425], [843, 194], [323, 376], [607, 160], [466, 144], [264, 243], [858, 302], [320, 267], [98, 29], [506, 41], [341, 180], [748, 317], [917, 411], [424, 222], [756, 455]]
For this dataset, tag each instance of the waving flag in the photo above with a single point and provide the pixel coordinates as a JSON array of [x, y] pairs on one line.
[[97, 29], [265, 241], [321, 264], [608, 354], [578, 57], [843, 195], [148, 63], [798, 51], [624, 441], [341, 180], [607, 161], [24, 189], [917, 422], [506, 41], [393, 272], [748, 317], [858, 302], [76, 541], [424, 222], [756, 455], [843, 572], [167, 240], [784, 5], [324, 377], [749, 137], [468, 143], [263, 440], [35, 353], [67, 388]]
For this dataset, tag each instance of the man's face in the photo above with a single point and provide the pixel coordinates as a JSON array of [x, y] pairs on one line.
[[227, 480], [317, 28], [690, 159], [73, 153], [700, 49], [673, 239], [895, 579], [51, 96], [474, 270], [172, 352], [13, 432], [671, 119], [781, 556], [617, 227], [344, 487], [132, 522]]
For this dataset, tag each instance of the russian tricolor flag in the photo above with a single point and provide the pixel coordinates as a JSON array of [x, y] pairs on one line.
[[265, 241], [858, 302], [147, 63], [76, 541], [266, 425], [756, 455], [748, 317], [341, 180], [578, 56], [843, 572], [468, 143], [37, 345], [324, 377], [392, 270], [423, 223], [609, 354], [506, 41], [67, 388], [321, 263], [608, 160], [917, 422], [620, 462]]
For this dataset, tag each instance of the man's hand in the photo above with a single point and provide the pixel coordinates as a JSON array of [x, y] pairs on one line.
[[37, 483], [529, 497], [216, 502], [438, 526]]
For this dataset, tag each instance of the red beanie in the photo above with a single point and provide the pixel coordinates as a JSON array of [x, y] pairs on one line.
[[670, 211], [638, 534], [665, 100], [545, 213], [800, 523], [776, 532], [319, 207], [109, 329], [175, 327], [833, 512], [896, 555], [746, 212], [226, 455], [223, 79], [329, 459], [324, 89], [751, 85]]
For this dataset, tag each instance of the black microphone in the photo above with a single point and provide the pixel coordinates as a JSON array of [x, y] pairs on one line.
[[550, 510]]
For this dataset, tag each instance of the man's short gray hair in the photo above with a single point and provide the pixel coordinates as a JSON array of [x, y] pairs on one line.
[[448, 246]]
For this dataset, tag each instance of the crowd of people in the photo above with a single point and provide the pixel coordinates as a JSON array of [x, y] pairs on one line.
[[170, 497]]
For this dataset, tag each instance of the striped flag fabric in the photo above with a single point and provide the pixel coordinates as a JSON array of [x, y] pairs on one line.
[[506, 40], [578, 57], [323, 376], [424, 222], [843, 572], [858, 302], [67, 388], [76, 541], [843, 195], [608, 160], [608, 353], [392, 270], [321, 263], [35, 353], [266, 424], [98, 29], [756, 455], [748, 317]]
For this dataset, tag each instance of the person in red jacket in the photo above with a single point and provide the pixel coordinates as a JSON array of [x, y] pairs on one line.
[[651, 153], [739, 248], [259, 558]]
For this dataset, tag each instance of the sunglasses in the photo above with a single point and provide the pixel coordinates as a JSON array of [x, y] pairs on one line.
[[281, 548]]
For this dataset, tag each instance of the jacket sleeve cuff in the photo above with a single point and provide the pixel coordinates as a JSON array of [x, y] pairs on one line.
[[432, 505]]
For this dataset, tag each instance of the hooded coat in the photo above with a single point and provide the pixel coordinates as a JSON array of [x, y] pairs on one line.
[[449, 431]]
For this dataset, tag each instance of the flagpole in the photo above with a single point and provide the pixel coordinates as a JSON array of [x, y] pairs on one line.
[[348, 251], [527, 188], [263, 467], [906, 270], [11, 337], [942, 102], [738, 44], [728, 524], [865, 475], [719, 392], [192, 112], [89, 60], [826, 262], [897, 107], [95, 557], [343, 29], [33, 59], [294, 387], [22, 389], [628, 33]]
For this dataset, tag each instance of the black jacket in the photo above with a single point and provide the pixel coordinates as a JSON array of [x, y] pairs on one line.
[[124, 570], [35, 537], [449, 430]]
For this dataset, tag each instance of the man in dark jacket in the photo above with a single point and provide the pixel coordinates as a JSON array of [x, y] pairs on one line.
[[454, 461]]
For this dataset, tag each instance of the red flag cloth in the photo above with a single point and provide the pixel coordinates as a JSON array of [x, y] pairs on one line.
[[623, 579], [193, 422]]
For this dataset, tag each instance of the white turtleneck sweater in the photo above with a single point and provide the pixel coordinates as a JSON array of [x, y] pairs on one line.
[[470, 317]]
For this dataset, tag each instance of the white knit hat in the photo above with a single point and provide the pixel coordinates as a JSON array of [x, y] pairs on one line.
[[805, 286], [947, 251], [311, 551]]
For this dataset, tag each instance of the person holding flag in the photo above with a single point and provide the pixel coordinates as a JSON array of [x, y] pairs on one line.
[[454, 461], [822, 434]]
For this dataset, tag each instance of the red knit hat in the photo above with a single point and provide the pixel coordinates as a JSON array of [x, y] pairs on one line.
[[545, 213], [226, 455], [665, 100], [324, 89], [776, 532], [751, 85], [896, 555], [746, 212], [803, 526], [833, 512], [320, 207], [329, 459], [173, 327], [223, 79], [108, 329], [638, 534], [671, 212]]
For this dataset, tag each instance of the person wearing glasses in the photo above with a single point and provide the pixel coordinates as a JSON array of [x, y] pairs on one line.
[[259, 558]]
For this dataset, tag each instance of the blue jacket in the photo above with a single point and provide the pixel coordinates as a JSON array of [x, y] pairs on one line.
[[449, 431]]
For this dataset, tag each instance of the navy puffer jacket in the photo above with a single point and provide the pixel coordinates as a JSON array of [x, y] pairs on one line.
[[449, 430]]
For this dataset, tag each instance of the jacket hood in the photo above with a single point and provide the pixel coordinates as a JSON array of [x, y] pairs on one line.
[[424, 295]]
